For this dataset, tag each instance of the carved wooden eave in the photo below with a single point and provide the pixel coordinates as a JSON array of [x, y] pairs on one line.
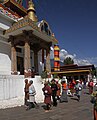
[[13, 5], [28, 25], [35, 42]]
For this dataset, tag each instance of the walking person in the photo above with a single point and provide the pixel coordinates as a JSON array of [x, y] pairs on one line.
[[64, 97], [95, 108], [78, 88], [32, 93], [47, 96], [94, 102], [84, 83], [54, 89], [71, 87], [26, 90], [90, 85], [59, 90]]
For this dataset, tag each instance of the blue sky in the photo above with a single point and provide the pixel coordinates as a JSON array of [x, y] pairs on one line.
[[74, 23]]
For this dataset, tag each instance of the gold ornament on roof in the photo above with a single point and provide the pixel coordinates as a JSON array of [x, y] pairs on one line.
[[31, 11]]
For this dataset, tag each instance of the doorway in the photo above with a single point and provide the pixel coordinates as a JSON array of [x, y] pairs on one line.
[[20, 65]]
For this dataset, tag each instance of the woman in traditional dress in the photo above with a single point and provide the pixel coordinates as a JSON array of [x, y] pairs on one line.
[[59, 90], [78, 88], [90, 85], [64, 97], [47, 96]]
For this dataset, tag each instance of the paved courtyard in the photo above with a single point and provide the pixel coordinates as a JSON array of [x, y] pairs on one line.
[[73, 110]]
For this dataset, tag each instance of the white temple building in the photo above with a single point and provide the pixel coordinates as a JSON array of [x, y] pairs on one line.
[[24, 44]]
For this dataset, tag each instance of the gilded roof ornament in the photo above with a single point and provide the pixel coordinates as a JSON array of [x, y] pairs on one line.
[[31, 11]]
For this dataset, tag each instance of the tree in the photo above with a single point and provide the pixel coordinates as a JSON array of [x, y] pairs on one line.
[[55, 75], [68, 61], [94, 71]]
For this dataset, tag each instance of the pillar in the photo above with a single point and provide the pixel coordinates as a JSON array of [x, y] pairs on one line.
[[36, 61], [43, 55], [48, 65], [42, 59], [13, 59], [27, 62]]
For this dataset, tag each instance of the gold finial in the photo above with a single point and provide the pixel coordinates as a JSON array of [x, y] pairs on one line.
[[31, 11]]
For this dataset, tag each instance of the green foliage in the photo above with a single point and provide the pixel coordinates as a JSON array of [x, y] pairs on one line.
[[44, 74], [68, 61], [94, 71]]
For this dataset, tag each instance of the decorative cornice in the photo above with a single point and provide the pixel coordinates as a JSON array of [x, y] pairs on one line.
[[22, 23], [28, 22], [16, 4]]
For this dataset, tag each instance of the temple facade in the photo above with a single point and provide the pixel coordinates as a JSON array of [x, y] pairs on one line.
[[24, 40]]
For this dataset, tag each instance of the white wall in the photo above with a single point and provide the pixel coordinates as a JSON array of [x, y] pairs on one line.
[[38, 87], [5, 61], [11, 86]]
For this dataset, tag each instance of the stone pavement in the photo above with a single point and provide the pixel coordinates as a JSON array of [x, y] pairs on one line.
[[73, 110]]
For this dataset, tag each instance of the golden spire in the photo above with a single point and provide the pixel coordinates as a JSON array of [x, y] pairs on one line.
[[31, 11]]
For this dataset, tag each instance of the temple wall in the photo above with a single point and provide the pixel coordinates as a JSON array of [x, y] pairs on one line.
[[5, 22], [12, 86], [5, 61], [37, 82]]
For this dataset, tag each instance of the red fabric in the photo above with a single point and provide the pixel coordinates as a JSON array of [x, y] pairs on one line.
[[59, 89], [47, 98], [71, 86], [91, 84], [64, 86]]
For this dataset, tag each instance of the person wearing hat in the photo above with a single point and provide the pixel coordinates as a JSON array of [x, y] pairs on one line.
[[78, 88]]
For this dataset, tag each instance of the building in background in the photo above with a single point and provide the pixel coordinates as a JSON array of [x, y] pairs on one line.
[[75, 71]]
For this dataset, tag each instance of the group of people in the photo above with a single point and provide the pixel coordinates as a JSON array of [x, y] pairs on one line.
[[30, 93], [53, 92]]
